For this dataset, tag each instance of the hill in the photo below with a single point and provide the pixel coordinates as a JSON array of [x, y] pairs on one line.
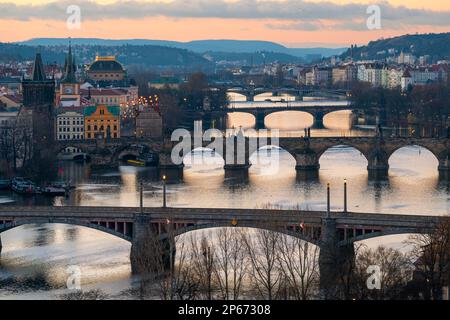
[[200, 46], [144, 56], [437, 46]]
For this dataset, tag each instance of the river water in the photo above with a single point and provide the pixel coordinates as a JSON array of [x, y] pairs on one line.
[[35, 258]]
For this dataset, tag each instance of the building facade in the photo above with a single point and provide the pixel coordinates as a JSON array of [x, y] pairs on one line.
[[102, 121], [70, 126], [149, 123]]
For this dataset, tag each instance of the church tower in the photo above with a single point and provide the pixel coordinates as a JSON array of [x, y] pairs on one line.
[[70, 88]]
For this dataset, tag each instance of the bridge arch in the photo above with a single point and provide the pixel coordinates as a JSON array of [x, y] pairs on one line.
[[378, 234], [72, 151], [439, 155], [295, 114], [285, 231], [17, 223], [363, 152]]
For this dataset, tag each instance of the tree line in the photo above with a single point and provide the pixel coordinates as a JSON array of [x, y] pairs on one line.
[[236, 263]]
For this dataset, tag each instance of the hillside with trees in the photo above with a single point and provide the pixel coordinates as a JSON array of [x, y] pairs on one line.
[[437, 46]]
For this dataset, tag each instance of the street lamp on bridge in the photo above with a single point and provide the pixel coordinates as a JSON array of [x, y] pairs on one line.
[[345, 196], [164, 178]]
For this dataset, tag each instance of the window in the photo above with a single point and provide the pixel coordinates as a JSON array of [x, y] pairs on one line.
[[89, 127]]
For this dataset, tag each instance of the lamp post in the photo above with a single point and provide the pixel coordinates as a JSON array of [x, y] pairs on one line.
[[328, 201], [345, 196], [164, 178], [141, 196]]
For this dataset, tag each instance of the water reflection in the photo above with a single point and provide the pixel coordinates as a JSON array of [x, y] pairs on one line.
[[35, 257]]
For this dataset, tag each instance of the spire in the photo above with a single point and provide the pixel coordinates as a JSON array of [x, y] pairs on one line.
[[38, 73], [69, 67]]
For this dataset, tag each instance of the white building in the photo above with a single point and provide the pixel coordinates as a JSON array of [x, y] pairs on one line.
[[372, 74], [70, 126]]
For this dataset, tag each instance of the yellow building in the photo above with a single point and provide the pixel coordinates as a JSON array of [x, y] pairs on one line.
[[102, 121]]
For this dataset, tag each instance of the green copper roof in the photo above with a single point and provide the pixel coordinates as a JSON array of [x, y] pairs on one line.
[[114, 110]]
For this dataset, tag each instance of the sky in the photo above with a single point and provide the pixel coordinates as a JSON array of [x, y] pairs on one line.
[[294, 23]]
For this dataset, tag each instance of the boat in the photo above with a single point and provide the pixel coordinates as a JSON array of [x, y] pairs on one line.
[[54, 191], [62, 185], [24, 186], [150, 159], [136, 163], [5, 184]]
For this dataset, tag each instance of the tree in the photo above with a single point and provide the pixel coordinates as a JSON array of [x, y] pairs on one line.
[[231, 264], [265, 273], [395, 270], [203, 265], [299, 262], [432, 254]]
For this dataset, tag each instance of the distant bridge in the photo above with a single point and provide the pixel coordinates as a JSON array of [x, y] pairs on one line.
[[250, 92], [318, 109]]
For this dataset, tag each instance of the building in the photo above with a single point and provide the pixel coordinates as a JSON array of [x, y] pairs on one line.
[[102, 121], [38, 108], [11, 101], [407, 80], [371, 73], [106, 69], [343, 74], [165, 81], [149, 123], [70, 126], [108, 96], [69, 92]]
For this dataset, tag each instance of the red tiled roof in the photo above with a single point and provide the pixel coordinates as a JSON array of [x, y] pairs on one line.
[[14, 98]]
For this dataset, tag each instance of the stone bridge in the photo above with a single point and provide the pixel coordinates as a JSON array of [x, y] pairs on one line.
[[237, 150], [251, 92], [317, 109], [333, 232]]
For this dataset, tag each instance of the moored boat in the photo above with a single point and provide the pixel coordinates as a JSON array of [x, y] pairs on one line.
[[24, 186], [5, 184], [54, 191]]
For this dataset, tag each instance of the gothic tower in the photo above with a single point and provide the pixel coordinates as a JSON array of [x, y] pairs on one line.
[[38, 106], [70, 88]]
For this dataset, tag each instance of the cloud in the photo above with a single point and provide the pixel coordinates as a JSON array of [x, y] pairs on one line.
[[298, 14]]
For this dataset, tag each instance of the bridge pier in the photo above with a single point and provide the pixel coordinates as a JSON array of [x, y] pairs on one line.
[[318, 121], [378, 168], [307, 164], [335, 262], [260, 123], [444, 169], [149, 253]]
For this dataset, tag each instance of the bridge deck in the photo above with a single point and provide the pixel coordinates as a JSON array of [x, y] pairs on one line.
[[219, 214]]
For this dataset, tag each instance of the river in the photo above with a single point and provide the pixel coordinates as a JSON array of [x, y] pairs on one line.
[[35, 258]]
